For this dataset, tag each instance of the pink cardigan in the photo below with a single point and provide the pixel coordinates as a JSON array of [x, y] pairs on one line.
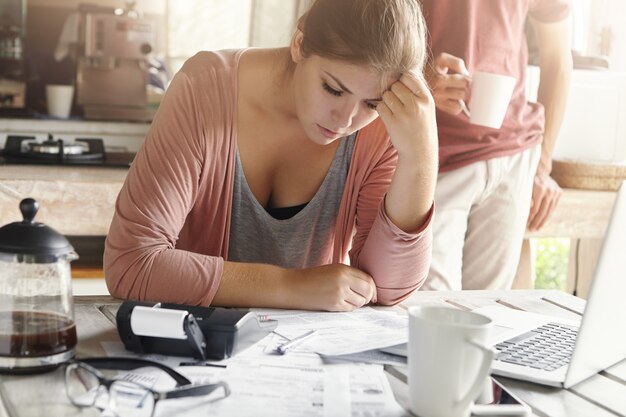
[[169, 236]]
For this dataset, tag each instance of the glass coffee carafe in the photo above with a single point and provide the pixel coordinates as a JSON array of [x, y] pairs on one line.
[[37, 330]]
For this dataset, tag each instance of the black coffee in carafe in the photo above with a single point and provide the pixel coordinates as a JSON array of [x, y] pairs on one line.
[[35, 333], [37, 330]]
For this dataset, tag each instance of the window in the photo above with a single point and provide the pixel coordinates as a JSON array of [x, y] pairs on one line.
[[196, 25]]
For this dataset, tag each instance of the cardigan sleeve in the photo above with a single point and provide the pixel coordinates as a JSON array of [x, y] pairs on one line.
[[398, 261], [141, 261]]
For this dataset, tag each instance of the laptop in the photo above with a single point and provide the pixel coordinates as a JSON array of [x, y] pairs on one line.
[[558, 352]]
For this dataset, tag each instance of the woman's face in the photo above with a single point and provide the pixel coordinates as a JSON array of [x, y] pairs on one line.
[[334, 99]]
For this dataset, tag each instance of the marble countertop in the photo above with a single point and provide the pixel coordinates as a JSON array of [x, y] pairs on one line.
[[73, 200], [62, 173], [81, 201]]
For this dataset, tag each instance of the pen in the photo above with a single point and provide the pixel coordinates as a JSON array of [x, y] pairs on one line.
[[202, 363], [282, 349]]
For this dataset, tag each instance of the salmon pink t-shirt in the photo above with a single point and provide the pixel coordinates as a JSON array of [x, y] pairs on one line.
[[489, 36]]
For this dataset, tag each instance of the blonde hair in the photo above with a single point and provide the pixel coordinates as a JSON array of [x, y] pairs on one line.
[[389, 36]]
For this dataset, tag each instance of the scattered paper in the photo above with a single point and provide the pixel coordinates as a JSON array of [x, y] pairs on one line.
[[301, 382], [341, 333]]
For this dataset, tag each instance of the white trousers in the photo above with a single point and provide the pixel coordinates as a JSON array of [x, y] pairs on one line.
[[480, 220]]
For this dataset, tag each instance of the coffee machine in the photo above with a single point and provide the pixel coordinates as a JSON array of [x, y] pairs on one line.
[[12, 57], [112, 63]]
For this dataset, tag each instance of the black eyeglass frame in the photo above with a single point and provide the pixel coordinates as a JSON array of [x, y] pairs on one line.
[[184, 387]]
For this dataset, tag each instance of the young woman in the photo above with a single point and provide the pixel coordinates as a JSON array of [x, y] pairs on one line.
[[265, 168]]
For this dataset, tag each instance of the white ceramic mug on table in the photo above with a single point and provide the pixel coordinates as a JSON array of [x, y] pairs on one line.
[[448, 360], [489, 102]]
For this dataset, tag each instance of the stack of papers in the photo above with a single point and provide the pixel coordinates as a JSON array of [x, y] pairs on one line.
[[325, 375], [340, 333]]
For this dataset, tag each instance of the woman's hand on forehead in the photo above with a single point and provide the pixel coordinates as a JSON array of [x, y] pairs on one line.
[[408, 111], [415, 81]]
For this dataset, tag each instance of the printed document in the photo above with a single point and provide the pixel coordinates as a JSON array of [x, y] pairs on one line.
[[340, 333]]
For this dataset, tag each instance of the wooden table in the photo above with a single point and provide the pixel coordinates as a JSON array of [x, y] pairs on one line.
[[601, 395]]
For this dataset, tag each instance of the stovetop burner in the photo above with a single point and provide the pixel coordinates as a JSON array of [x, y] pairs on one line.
[[83, 151], [56, 147]]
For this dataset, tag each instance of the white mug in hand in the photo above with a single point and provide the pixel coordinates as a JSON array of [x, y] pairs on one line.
[[489, 102], [448, 360]]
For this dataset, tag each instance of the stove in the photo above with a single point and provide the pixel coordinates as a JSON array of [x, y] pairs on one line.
[[82, 152]]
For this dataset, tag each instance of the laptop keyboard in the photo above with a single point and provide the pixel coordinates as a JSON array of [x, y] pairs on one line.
[[548, 347]]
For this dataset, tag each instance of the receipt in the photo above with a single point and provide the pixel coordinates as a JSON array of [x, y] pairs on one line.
[[158, 322]]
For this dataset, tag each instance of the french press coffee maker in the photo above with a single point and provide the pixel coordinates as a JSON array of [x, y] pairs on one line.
[[37, 330]]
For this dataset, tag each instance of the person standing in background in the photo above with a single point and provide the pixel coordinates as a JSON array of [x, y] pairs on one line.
[[493, 183]]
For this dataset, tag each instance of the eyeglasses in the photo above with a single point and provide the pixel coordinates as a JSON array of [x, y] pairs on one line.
[[85, 384]]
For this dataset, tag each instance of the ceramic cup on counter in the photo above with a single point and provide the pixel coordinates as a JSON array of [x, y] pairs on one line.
[[448, 360], [59, 99], [489, 102]]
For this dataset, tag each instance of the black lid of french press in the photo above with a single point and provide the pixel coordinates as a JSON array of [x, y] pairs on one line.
[[31, 238]]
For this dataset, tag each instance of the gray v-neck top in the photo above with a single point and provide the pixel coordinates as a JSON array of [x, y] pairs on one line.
[[302, 241]]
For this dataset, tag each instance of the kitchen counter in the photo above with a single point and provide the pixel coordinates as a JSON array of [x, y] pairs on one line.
[[579, 214], [80, 201], [72, 200], [582, 216]]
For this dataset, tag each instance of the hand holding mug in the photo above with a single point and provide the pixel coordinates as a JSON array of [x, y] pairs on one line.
[[490, 95], [448, 79]]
